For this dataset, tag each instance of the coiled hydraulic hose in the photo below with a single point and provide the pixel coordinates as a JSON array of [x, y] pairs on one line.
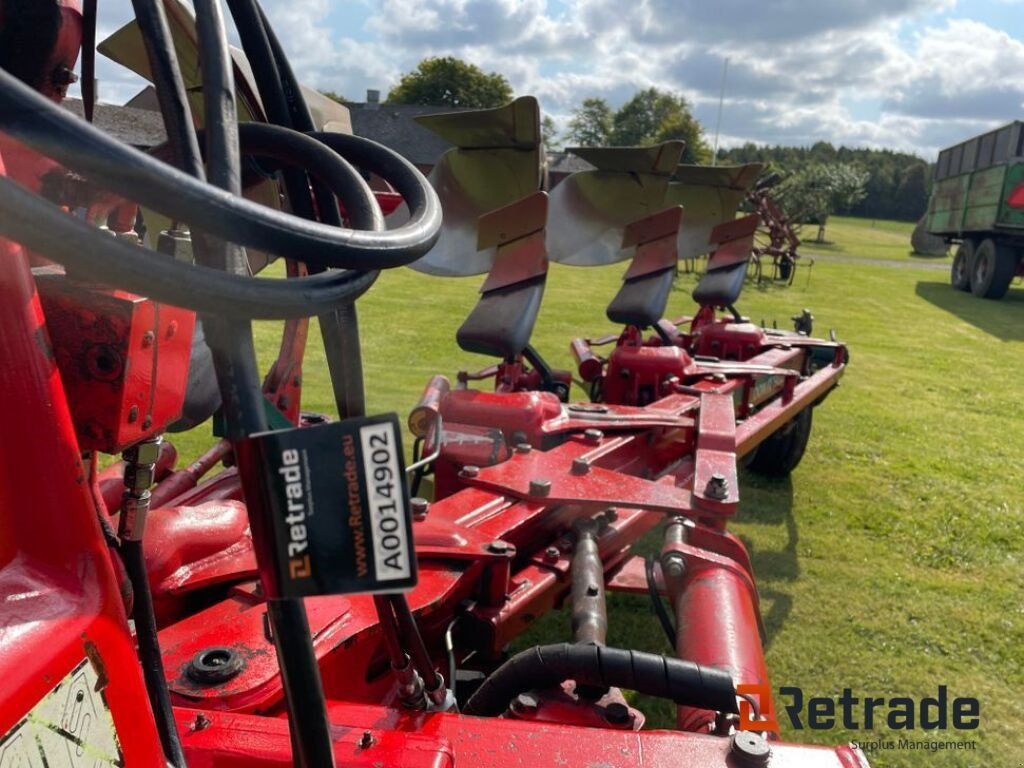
[[544, 666], [56, 133]]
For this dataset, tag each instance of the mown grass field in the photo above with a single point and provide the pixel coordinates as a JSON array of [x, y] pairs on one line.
[[866, 239], [892, 561]]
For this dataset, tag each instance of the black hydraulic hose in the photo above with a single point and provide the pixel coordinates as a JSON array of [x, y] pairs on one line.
[[414, 645], [169, 85], [254, 35], [284, 103], [43, 227], [546, 666], [149, 652], [656, 603], [336, 173], [32, 119], [307, 711], [88, 58], [389, 628], [231, 342], [302, 119]]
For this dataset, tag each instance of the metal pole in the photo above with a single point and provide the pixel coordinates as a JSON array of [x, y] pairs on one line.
[[721, 99]]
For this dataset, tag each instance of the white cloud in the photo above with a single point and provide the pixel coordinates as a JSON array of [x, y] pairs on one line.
[[799, 70]]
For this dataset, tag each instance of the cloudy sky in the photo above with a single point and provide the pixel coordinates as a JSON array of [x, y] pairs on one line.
[[905, 74]]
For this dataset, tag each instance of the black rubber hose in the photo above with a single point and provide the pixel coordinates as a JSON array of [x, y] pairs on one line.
[[89, 11], [656, 603], [254, 35], [238, 375], [170, 88], [284, 104], [546, 666], [230, 339], [56, 133], [336, 173], [43, 227], [280, 90], [302, 119], [149, 652], [413, 642]]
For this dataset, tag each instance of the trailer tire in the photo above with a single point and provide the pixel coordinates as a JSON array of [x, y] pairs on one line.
[[781, 453], [960, 272], [994, 267]]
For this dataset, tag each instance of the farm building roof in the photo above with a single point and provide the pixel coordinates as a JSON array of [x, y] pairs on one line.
[[138, 127]]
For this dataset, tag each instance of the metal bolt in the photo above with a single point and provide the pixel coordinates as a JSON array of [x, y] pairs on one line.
[[498, 547], [419, 507], [552, 554], [593, 436], [717, 487], [201, 723], [470, 471], [674, 565], [525, 704], [750, 749], [611, 514], [617, 713], [592, 590], [133, 414], [540, 487], [580, 466], [172, 328], [366, 740], [523, 447], [147, 339]]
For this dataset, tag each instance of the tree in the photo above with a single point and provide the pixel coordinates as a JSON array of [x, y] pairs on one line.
[[810, 195], [653, 116], [591, 124], [684, 127], [447, 81], [548, 132]]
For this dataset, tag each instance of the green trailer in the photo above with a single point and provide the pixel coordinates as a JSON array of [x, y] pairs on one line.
[[977, 202]]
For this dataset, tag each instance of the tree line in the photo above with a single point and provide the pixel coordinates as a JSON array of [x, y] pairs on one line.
[[871, 183], [896, 184]]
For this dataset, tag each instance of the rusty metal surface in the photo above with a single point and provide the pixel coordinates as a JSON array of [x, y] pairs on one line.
[[496, 163], [710, 195], [591, 210]]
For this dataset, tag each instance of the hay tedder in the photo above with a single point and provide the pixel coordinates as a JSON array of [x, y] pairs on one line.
[[298, 605]]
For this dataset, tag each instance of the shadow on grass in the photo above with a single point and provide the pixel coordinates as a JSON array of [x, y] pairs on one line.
[[1003, 319], [770, 502]]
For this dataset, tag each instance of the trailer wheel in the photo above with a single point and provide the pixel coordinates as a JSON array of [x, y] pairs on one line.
[[994, 267], [960, 272], [781, 453]]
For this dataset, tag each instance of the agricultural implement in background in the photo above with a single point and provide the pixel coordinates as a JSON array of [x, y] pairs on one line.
[[977, 202], [297, 607], [775, 245]]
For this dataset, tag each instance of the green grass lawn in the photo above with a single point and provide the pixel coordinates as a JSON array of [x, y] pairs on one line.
[[864, 238], [892, 561]]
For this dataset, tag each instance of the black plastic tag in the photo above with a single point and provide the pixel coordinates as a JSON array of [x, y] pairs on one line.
[[331, 513]]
